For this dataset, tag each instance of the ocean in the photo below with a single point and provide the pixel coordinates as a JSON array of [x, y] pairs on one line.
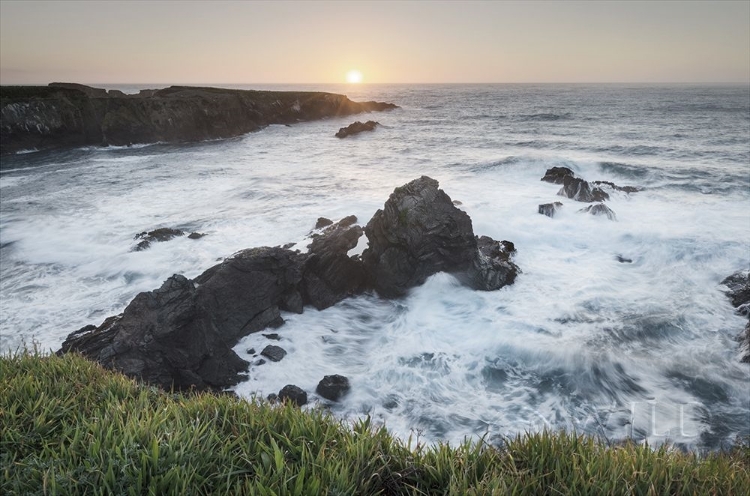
[[645, 350]]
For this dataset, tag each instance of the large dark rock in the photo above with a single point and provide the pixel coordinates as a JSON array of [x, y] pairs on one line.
[[420, 232], [557, 175], [292, 393], [245, 293], [600, 209], [181, 335], [330, 274], [738, 291], [580, 190], [163, 338], [65, 115], [333, 387], [356, 128]]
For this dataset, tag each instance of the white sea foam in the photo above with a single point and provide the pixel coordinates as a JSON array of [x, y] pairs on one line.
[[643, 349]]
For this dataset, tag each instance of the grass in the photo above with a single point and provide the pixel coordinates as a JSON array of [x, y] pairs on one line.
[[67, 426]]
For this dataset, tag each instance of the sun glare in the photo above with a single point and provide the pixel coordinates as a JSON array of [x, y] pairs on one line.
[[353, 76]]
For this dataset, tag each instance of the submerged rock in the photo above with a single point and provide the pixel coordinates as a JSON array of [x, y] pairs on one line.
[[624, 189], [549, 209], [333, 387], [599, 209], [157, 235], [356, 128]]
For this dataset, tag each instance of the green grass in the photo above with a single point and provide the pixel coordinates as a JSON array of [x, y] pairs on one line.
[[69, 427]]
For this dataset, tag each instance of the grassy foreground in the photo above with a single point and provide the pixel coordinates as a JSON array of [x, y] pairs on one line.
[[69, 427]]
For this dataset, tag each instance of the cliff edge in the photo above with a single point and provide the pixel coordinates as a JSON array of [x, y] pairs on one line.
[[65, 115]]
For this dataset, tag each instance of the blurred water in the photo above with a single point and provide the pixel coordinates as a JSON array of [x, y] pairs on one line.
[[581, 341]]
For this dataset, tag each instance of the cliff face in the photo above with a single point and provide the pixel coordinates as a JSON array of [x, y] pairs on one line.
[[65, 115]]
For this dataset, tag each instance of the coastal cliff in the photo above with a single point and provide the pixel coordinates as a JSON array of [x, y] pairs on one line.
[[65, 115]]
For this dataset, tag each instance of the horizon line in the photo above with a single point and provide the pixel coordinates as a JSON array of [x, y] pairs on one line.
[[354, 85]]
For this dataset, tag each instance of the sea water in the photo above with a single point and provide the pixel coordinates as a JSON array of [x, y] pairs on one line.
[[644, 350]]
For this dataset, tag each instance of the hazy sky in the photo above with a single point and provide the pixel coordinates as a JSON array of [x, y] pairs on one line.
[[389, 42]]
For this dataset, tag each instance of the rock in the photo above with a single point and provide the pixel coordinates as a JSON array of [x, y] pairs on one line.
[[157, 235], [323, 222], [162, 338], [273, 398], [622, 259], [356, 128], [259, 362], [330, 274], [557, 175], [549, 209], [273, 353], [599, 209], [196, 235], [245, 293], [738, 291], [250, 351], [181, 335], [580, 190], [333, 387], [274, 337], [492, 269], [294, 394], [420, 232], [624, 189], [66, 115]]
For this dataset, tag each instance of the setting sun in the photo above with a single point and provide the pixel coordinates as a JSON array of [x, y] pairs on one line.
[[353, 76]]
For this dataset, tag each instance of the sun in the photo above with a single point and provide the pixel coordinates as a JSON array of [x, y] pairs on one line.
[[354, 76]]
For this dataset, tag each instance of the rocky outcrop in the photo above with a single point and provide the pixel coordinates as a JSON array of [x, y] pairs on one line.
[[67, 115], [580, 190], [333, 387], [163, 338], [182, 334], [356, 128], [549, 209], [738, 291], [419, 232]]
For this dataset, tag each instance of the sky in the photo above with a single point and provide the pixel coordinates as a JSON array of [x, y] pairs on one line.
[[246, 42]]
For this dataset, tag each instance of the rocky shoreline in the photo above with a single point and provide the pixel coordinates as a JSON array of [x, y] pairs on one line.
[[64, 115], [181, 335]]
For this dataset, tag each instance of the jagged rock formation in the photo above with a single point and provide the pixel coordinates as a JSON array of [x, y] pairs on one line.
[[356, 128], [580, 190], [181, 335], [68, 115]]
